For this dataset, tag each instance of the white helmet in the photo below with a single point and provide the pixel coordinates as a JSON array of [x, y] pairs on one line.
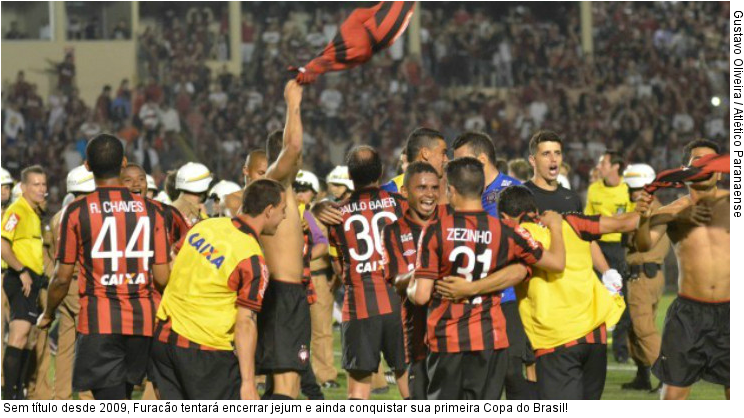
[[80, 180], [224, 187], [340, 175], [193, 177], [162, 197], [16, 192], [151, 183], [307, 178], [638, 175], [5, 177]]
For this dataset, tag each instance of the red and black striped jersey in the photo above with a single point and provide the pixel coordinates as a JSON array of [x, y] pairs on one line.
[[115, 236], [400, 240], [307, 255], [470, 245], [175, 223], [356, 243]]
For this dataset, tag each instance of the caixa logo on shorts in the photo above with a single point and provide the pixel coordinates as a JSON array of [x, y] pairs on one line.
[[303, 354]]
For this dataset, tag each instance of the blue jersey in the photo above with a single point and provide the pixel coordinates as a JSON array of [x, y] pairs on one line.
[[490, 204]]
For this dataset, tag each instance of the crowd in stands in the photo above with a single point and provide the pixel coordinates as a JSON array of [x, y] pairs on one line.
[[657, 78]]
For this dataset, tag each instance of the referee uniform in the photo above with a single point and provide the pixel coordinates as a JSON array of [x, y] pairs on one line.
[[219, 266]]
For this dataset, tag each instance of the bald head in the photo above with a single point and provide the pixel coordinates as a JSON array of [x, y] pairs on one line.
[[255, 166], [365, 166]]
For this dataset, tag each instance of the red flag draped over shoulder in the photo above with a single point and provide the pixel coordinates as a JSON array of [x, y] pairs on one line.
[[698, 170], [363, 33]]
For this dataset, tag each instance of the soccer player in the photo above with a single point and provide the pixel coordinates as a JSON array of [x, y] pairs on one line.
[[480, 146], [371, 311], [207, 333], [609, 196], [426, 145], [467, 339], [22, 251], [254, 168], [284, 324], [565, 313], [119, 240], [696, 341], [400, 238], [79, 183]]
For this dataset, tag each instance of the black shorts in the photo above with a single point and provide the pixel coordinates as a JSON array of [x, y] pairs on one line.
[[418, 381], [190, 373], [519, 345], [109, 360], [576, 372], [696, 344], [467, 375], [283, 329], [362, 340], [22, 307]]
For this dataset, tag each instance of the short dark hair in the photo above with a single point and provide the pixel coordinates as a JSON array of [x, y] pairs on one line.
[[135, 165], [543, 136], [516, 201], [260, 194], [616, 158], [466, 176], [169, 185], [479, 143], [255, 154], [418, 167], [502, 165], [365, 165], [698, 143], [104, 155], [421, 138], [521, 169], [33, 169], [274, 145]]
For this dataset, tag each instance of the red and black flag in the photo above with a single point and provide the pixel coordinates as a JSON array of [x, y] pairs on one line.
[[363, 33], [700, 169]]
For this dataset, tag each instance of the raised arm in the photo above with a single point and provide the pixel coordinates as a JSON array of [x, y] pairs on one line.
[[285, 168]]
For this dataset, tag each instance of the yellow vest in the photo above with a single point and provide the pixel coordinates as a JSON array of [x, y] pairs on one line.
[[608, 201], [21, 227], [557, 308], [198, 300]]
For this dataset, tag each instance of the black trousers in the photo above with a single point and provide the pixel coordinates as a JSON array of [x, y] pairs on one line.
[[467, 375], [569, 373]]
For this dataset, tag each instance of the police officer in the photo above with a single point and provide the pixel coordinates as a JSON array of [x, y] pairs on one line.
[[6, 180], [645, 287], [23, 252], [192, 183]]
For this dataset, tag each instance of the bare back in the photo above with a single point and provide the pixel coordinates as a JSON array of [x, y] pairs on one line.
[[703, 252], [283, 250]]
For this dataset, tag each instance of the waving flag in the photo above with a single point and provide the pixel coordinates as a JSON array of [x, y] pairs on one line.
[[363, 33], [698, 170]]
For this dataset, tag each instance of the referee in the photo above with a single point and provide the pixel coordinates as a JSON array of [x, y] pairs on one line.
[[205, 338], [609, 196], [22, 250]]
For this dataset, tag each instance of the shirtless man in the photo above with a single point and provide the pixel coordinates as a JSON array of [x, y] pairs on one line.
[[284, 322], [696, 339], [254, 168]]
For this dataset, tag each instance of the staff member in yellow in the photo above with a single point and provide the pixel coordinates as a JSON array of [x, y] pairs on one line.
[[205, 340], [23, 252], [565, 314], [610, 196]]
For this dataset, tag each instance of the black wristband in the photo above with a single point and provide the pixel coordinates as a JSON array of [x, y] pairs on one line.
[[23, 270]]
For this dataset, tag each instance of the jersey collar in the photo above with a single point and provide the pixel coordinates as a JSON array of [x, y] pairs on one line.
[[244, 227]]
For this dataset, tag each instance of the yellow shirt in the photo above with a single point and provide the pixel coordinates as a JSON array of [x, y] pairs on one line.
[[608, 201], [557, 308], [21, 227], [220, 265]]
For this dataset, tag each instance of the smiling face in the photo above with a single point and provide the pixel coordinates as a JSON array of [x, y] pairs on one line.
[[547, 160], [134, 179], [422, 192]]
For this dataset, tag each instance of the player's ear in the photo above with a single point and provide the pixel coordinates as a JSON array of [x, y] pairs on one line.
[[483, 159], [531, 159], [87, 167], [124, 162], [404, 191]]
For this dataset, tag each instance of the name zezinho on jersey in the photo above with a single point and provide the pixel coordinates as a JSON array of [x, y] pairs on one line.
[[351, 207], [464, 234]]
